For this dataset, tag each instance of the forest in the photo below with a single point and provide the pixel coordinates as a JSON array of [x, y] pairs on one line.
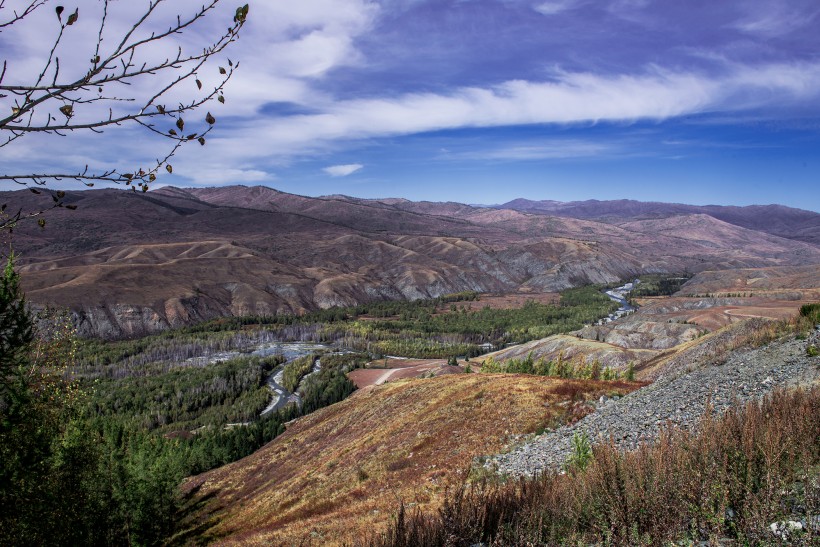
[[101, 434], [435, 328]]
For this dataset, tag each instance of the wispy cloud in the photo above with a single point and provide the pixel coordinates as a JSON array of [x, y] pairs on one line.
[[553, 7], [569, 98], [776, 18], [524, 151], [342, 170]]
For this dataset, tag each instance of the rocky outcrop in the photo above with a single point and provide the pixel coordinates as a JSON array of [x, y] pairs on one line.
[[637, 333], [571, 347]]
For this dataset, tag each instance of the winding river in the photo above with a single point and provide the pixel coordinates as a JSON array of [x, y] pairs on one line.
[[618, 295], [289, 350]]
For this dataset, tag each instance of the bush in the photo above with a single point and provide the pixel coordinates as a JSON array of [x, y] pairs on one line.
[[581, 454], [811, 311]]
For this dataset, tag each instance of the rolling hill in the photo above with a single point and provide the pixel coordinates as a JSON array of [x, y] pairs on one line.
[[777, 220], [338, 474], [236, 250]]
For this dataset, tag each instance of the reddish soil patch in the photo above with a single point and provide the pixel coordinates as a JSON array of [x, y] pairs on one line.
[[364, 377], [398, 369], [715, 318]]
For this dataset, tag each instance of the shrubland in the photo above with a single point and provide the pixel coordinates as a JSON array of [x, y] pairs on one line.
[[559, 368], [729, 479]]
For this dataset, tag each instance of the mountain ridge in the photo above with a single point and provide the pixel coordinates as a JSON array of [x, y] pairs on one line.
[[211, 252], [793, 223]]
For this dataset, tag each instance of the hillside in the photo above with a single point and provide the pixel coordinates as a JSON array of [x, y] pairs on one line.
[[776, 220], [236, 250], [340, 473]]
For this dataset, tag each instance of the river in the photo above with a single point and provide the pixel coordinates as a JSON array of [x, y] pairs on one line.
[[618, 294], [289, 350]]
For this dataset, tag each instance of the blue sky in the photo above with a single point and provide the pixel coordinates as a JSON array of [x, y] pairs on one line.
[[483, 101]]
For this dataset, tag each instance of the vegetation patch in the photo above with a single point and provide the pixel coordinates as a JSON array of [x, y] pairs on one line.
[[408, 440], [424, 329], [659, 284], [558, 368], [730, 480], [811, 312]]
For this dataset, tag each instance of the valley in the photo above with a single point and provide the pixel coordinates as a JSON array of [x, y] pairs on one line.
[[417, 428], [417, 273], [235, 251], [278, 367], [354, 472]]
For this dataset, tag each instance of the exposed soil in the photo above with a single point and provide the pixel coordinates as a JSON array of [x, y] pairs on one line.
[[397, 369]]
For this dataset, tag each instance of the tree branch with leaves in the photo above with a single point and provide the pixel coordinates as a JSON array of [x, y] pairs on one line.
[[126, 79]]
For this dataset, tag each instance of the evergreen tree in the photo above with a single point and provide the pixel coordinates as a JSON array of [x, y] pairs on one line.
[[16, 335]]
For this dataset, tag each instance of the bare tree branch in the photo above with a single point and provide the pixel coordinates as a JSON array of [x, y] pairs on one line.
[[60, 103], [18, 16]]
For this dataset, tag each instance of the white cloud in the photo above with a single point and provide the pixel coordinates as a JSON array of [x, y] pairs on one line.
[[552, 149], [218, 175], [342, 170], [570, 98], [286, 46], [552, 7]]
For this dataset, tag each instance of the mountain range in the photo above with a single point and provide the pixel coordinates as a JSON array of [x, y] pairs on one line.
[[129, 263], [773, 219]]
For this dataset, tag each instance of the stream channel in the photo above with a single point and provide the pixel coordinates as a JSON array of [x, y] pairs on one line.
[[294, 350], [290, 350], [618, 294]]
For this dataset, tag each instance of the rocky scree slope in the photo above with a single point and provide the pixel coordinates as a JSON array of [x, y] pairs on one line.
[[678, 398]]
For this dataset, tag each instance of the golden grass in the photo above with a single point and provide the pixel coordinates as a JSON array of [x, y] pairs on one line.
[[342, 471]]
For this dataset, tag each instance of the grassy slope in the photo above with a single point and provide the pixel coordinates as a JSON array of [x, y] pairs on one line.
[[338, 472]]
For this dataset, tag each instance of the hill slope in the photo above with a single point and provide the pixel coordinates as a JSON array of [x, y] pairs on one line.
[[237, 250], [776, 220], [333, 475]]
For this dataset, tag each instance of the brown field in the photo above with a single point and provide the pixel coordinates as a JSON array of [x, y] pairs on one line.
[[341, 472], [390, 369]]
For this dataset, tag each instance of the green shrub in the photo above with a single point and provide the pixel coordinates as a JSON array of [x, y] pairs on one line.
[[811, 311], [581, 454]]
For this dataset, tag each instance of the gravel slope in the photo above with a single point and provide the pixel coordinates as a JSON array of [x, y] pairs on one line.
[[637, 417]]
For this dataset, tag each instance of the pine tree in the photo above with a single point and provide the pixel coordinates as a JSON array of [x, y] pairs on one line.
[[16, 335]]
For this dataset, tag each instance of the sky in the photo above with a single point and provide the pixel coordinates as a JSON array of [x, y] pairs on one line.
[[480, 101]]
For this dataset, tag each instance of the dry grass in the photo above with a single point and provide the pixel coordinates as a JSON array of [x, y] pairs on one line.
[[343, 471], [740, 472]]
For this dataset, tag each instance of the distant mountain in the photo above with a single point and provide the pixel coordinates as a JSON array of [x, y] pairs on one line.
[[777, 220], [129, 263]]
